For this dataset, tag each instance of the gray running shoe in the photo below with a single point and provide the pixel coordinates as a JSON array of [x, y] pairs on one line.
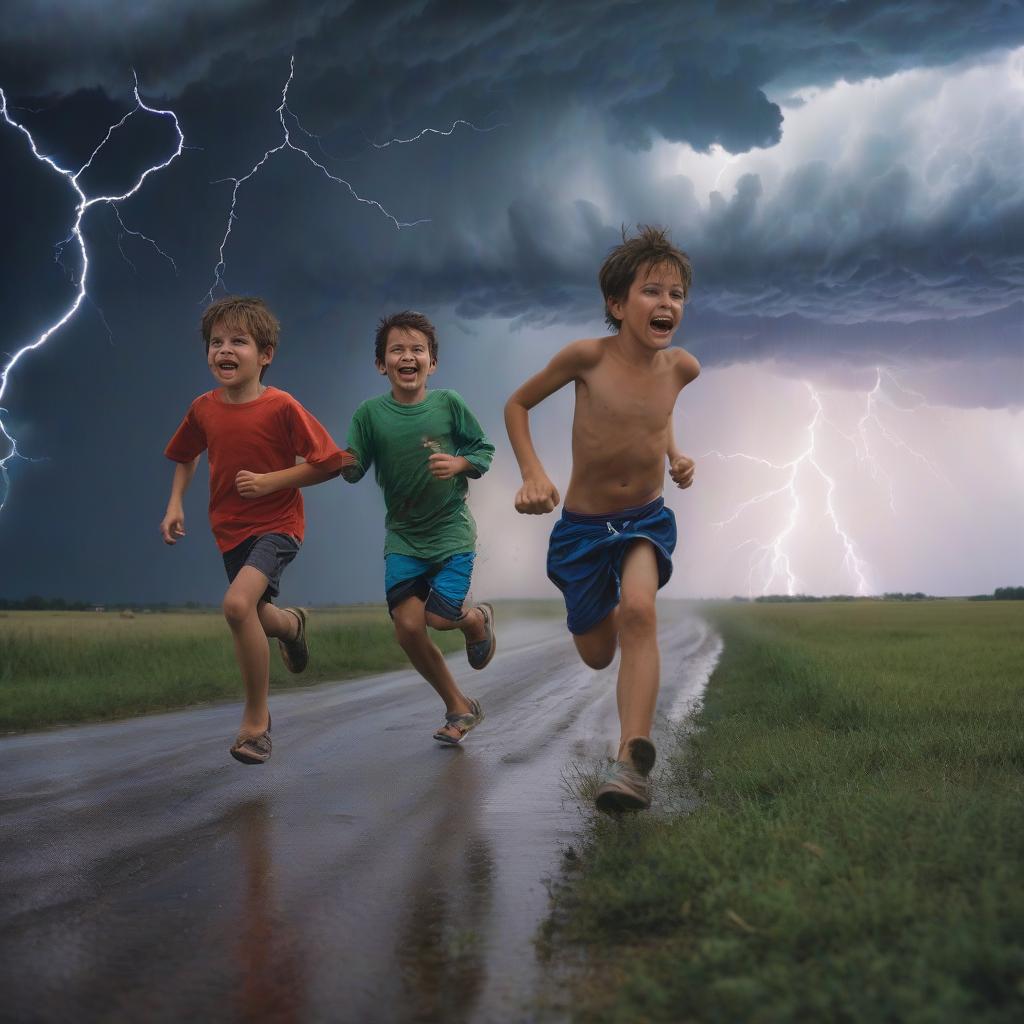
[[623, 789], [642, 754], [295, 653]]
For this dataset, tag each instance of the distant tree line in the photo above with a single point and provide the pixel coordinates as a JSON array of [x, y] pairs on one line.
[[1002, 594]]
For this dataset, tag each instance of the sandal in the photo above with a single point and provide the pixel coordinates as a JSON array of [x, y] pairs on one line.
[[480, 652], [252, 749], [295, 653], [461, 723]]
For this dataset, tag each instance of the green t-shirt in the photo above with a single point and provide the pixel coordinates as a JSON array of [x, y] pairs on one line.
[[426, 518]]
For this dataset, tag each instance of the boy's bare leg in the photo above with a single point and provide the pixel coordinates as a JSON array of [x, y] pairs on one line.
[[251, 649], [410, 620], [472, 624], [597, 646], [276, 622], [640, 666]]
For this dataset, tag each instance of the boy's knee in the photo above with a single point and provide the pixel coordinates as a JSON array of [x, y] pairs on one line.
[[637, 613], [409, 624], [597, 659], [236, 609], [596, 651]]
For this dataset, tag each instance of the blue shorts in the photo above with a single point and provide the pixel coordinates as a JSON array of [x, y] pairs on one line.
[[268, 552], [442, 586], [585, 557]]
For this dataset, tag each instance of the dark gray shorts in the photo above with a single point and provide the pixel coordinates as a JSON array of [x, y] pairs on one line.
[[268, 552]]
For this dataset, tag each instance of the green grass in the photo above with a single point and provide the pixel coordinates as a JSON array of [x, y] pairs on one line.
[[857, 849], [60, 667]]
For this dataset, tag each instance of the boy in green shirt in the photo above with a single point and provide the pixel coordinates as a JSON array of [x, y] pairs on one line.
[[423, 446]]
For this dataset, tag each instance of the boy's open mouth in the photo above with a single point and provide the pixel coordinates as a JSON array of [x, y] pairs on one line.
[[407, 371], [662, 323], [228, 365]]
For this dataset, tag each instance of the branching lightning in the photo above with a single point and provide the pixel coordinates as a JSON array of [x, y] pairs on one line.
[[84, 202], [770, 562], [284, 112]]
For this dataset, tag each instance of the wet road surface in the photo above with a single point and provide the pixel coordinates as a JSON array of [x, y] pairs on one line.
[[364, 874]]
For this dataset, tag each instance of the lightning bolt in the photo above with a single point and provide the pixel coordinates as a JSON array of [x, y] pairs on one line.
[[770, 561], [84, 203], [437, 131], [287, 143]]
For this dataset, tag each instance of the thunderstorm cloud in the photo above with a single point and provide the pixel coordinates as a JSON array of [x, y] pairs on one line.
[[844, 175]]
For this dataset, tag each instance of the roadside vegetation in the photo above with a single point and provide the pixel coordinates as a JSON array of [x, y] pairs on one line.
[[73, 666], [856, 848]]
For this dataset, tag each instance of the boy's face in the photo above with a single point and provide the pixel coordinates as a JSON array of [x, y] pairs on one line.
[[407, 364], [234, 358], [653, 307]]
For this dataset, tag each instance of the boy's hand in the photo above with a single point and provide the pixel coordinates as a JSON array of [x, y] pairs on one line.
[[444, 467], [250, 485], [172, 529], [681, 470], [536, 497]]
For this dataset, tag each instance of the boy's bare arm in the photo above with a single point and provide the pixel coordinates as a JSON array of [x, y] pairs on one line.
[[172, 527], [258, 485], [686, 366], [680, 466], [538, 494]]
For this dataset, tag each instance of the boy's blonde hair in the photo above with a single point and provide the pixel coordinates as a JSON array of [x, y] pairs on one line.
[[650, 247], [248, 313]]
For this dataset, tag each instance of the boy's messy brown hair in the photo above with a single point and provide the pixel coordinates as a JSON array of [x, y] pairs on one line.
[[649, 248], [247, 313], [411, 321]]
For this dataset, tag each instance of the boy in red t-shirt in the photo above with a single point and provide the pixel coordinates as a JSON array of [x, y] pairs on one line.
[[252, 435]]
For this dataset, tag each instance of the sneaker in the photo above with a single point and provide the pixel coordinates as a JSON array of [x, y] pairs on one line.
[[642, 754], [252, 749], [462, 724], [295, 653], [625, 787], [480, 652]]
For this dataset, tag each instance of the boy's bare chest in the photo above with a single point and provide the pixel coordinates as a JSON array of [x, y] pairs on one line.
[[640, 400]]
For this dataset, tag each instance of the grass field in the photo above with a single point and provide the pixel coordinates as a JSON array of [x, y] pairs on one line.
[[58, 667], [857, 852]]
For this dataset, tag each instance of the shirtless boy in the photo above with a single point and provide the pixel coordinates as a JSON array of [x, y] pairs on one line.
[[611, 550]]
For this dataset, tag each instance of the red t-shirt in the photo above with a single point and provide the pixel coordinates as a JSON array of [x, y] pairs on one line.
[[262, 436]]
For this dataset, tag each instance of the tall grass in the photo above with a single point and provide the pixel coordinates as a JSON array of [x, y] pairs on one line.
[[77, 666], [857, 850]]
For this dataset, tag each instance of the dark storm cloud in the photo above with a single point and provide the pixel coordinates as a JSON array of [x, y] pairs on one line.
[[835, 246], [695, 72], [731, 112], [521, 217]]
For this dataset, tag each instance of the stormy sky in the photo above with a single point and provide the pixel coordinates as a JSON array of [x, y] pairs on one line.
[[845, 177]]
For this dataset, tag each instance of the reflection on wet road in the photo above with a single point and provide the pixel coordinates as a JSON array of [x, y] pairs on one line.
[[364, 874]]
